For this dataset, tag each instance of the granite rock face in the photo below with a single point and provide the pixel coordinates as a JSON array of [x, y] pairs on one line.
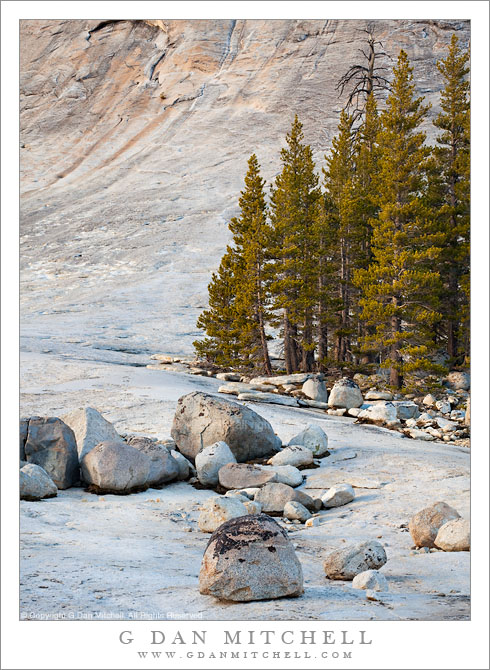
[[250, 558], [135, 135], [90, 428]]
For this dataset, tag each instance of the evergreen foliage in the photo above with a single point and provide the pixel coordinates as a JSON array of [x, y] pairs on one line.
[[399, 288]]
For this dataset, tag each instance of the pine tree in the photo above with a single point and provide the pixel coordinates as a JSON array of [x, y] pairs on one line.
[[222, 321], [399, 287], [452, 163], [294, 214], [339, 184], [252, 238], [238, 293]]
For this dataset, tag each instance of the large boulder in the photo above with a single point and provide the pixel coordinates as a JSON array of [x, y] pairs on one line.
[[90, 429], [274, 496], [215, 511], [111, 467], [338, 495], [51, 444], [250, 558], [201, 419], [35, 483], [345, 393], [312, 438], [353, 559], [295, 454], [24, 425], [315, 389], [210, 460], [245, 475], [458, 380], [163, 466], [425, 525], [454, 536]]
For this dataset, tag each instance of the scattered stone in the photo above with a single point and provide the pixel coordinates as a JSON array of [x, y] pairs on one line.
[[235, 388], [274, 398], [406, 409], [315, 390], [370, 579], [185, 467], [458, 380], [354, 411], [457, 414], [429, 400], [253, 507], [163, 466], [417, 434], [210, 460], [274, 496], [215, 511], [353, 559], [250, 558], [425, 525], [163, 358], [51, 444], [446, 425], [345, 393], [294, 454], [287, 474], [35, 483], [467, 417], [378, 395], [443, 407], [250, 492], [112, 467], [372, 595], [281, 380], [294, 510], [313, 521], [229, 376], [201, 419], [237, 495], [289, 387], [245, 475], [411, 423], [314, 439], [382, 413], [305, 402], [338, 495], [337, 412], [425, 417], [454, 535]]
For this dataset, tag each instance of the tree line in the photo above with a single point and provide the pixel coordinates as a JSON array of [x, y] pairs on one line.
[[367, 265]]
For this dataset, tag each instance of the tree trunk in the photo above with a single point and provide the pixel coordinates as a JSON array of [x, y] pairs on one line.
[[265, 350], [396, 378], [290, 346], [307, 354]]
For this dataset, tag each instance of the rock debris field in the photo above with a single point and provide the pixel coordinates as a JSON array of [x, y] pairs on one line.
[[233, 508]]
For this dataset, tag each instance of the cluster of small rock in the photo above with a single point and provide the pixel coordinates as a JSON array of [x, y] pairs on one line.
[[249, 555], [445, 418]]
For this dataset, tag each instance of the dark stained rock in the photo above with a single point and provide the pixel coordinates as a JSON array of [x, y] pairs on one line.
[[51, 444]]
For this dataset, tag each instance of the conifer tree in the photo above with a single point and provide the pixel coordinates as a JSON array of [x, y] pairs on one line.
[[339, 177], [238, 294], [294, 214], [399, 287], [252, 239], [452, 163], [222, 321]]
